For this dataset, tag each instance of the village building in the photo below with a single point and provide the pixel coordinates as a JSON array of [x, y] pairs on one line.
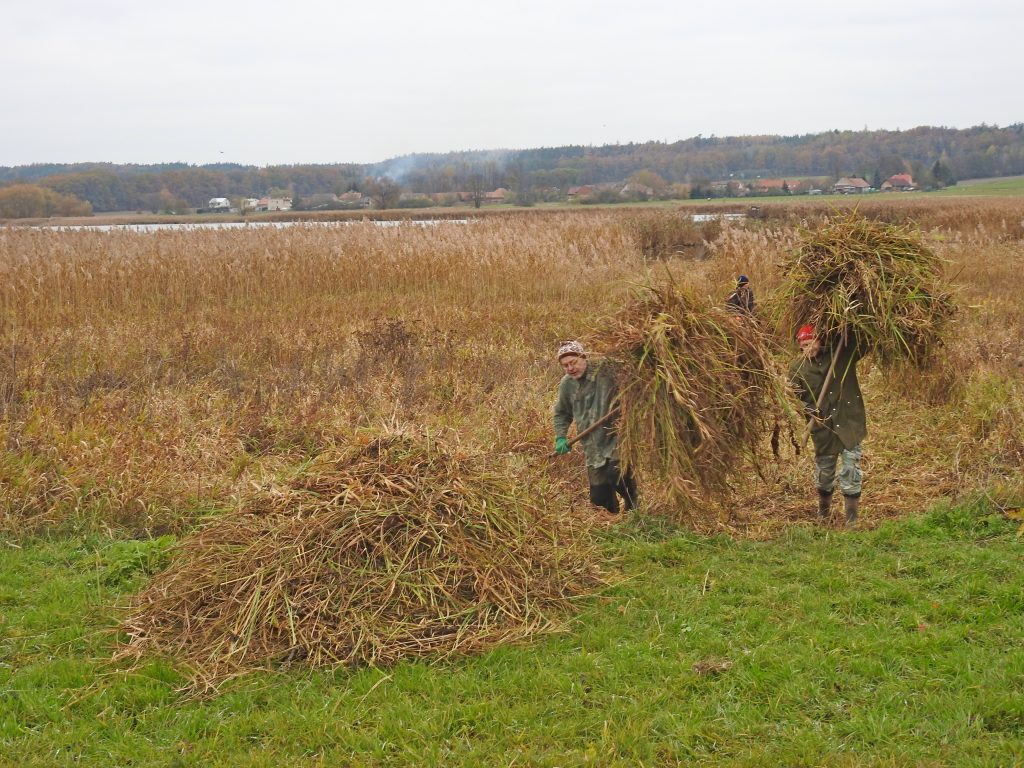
[[900, 182], [850, 186], [355, 199], [589, 190], [638, 191], [777, 186], [274, 204], [497, 196]]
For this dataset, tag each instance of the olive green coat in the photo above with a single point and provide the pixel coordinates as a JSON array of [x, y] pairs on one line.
[[843, 422], [584, 402]]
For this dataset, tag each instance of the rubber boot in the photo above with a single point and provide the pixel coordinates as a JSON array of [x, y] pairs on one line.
[[627, 490], [851, 503], [604, 496], [824, 505]]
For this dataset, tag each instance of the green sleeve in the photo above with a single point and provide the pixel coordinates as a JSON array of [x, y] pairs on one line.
[[563, 408]]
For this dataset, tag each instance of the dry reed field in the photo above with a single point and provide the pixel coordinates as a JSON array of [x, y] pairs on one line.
[[345, 431], [149, 379]]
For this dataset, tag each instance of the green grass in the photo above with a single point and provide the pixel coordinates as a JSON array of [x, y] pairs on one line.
[[900, 646], [1010, 185]]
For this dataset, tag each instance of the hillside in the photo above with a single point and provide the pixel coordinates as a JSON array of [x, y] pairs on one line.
[[935, 156]]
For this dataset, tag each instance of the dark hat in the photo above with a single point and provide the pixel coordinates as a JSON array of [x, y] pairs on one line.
[[742, 280]]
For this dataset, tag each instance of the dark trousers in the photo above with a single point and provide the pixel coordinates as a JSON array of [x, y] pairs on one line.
[[608, 482]]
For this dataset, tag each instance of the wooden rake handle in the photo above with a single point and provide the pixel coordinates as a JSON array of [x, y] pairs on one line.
[[821, 395], [592, 428]]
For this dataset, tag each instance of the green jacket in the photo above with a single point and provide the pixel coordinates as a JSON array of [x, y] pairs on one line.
[[843, 421], [586, 401]]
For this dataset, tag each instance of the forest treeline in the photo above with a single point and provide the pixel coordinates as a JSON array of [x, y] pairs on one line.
[[934, 156]]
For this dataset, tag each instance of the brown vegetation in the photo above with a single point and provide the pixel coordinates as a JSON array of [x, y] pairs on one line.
[[149, 378], [28, 201], [390, 545], [869, 283], [701, 389], [288, 387]]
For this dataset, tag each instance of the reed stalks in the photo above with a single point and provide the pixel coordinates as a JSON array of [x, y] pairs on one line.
[[700, 390], [393, 546], [868, 283]]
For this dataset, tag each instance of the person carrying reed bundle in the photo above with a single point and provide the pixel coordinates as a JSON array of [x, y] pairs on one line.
[[742, 299], [856, 287], [699, 393], [586, 396], [825, 379]]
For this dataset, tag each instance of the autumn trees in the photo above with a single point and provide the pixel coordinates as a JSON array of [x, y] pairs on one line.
[[24, 201]]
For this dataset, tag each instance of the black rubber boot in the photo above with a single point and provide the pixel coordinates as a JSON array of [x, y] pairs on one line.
[[824, 505], [627, 490], [604, 496], [852, 503]]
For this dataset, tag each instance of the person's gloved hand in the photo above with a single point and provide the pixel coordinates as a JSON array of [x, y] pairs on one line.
[[562, 445]]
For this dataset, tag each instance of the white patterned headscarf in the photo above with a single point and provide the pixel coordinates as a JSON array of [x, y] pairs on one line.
[[571, 348]]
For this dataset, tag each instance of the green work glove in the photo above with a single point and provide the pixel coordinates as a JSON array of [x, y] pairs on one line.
[[561, 445]]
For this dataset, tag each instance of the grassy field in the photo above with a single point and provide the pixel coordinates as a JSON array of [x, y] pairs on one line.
[[899, 646], [153, 381], [1011, 185]]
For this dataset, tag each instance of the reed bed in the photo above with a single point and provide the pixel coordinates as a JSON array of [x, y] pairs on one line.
[[700, 390], [984, 219], [63, 277], [147, 379], [662, 233], [396, 546], [144, 376], [869, 283]]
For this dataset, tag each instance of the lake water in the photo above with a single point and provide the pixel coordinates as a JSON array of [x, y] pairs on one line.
[[697, 217], [247, 225]]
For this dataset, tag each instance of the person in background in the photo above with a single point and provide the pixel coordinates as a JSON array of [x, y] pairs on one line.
[[742, 299], [587, 394], [839, 426]]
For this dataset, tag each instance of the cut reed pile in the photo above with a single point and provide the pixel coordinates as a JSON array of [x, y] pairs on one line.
[[700, 391], [399, 547], [866, 282]]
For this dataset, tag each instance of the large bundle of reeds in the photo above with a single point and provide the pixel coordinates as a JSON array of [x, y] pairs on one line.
[[699, 390], [868, 282], [401, 547]]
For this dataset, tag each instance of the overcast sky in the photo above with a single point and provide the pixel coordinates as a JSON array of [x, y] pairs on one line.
[[266, 82]]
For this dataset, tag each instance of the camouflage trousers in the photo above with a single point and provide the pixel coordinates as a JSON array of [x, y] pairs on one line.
[[849, 472]]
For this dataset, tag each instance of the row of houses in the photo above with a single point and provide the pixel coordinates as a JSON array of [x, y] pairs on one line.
[[848, 185], [628, 190], [852, 185], [900, 182], [223, 204]]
